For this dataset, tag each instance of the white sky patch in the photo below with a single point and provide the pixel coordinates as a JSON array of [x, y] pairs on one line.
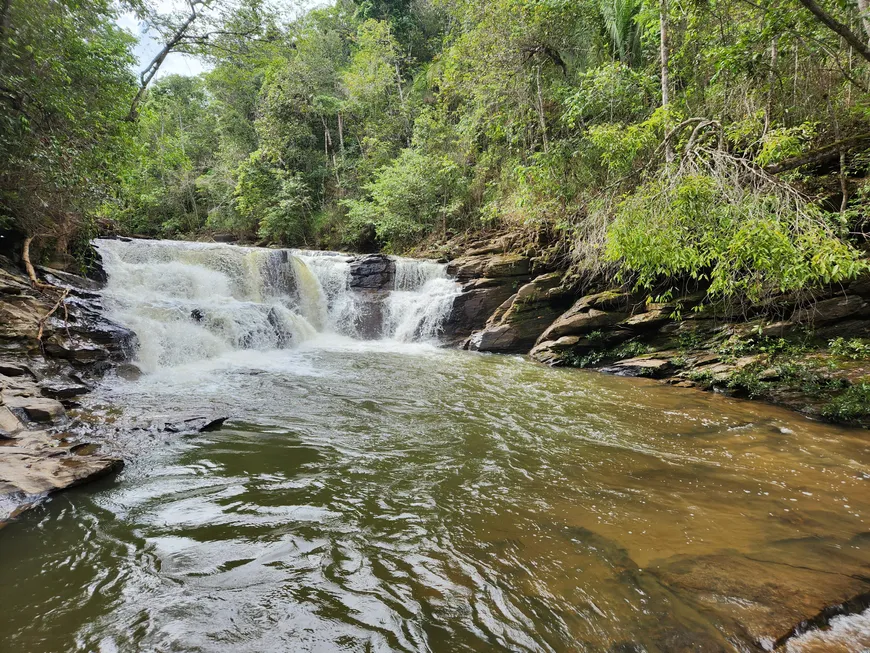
[[150, 44]]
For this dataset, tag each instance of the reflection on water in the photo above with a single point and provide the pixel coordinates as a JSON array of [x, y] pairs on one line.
[[382, 496]]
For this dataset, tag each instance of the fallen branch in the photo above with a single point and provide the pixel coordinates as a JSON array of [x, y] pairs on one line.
[[31, 272], [826, 154], [49, 314]]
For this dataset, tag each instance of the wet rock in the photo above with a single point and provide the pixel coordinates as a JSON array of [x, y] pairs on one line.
[[190, 424], [36, 464], [62, 389], [14, 369], [37, 409], [64, 279], [473, 307], [650, 366], [767, 593], [128, 371], [374, 271], [369, 316]]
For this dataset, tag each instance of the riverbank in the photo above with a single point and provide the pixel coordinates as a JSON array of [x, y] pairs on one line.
[[55, 344], [808, 352]]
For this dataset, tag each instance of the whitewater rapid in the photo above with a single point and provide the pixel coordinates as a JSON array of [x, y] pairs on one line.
[[189, 302]]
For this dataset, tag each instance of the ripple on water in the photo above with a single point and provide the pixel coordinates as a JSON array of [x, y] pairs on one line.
[[401, 497]]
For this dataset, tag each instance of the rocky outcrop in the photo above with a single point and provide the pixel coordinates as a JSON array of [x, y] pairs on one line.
[[37, 457], [41, 377], [517, 324], [77, 334], [488, 280]]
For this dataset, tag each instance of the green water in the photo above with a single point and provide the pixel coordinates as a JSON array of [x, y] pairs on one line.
[[375, 497]]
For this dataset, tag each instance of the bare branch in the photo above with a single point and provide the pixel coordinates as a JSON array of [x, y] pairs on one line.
[[859, 44], [148, 74]]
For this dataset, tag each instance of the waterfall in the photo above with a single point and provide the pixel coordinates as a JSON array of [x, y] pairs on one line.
[[421, 301], [194, 301]]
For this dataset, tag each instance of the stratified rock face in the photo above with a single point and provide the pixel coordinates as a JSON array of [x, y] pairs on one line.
[[480, 297], [589, 314], [518, 323], [35, 462], [490, 266], [489, 279], [76, 333], [37, 377], [372, 272]]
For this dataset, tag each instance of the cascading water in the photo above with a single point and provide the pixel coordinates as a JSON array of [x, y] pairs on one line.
[[421, 301], [192, 301]]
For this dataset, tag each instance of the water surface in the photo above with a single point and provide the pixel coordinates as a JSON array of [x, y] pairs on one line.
[[374, 496], [390, 495]]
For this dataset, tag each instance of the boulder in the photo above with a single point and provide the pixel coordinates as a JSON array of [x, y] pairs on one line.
[[580, 321], [373, 271], [37, 409], [62, 388], [472, 308], [590, 313], [552, 352], [9, 422]]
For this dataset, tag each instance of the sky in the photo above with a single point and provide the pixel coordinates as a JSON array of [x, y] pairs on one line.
[[148, 47], [175, 63]]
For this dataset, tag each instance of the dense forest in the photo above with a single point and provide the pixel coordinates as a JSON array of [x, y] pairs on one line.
[[720, 140]]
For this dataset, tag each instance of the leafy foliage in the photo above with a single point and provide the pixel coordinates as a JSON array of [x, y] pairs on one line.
[[408, 121]]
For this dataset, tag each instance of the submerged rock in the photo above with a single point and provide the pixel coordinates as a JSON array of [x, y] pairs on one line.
[[769, 593]]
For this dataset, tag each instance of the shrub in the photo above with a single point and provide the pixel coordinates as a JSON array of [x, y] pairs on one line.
[[853, 349], [748, 242], [852, 405]]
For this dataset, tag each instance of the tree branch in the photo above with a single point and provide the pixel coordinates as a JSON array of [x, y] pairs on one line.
[[147, 75], [857, 43], [825, 154]]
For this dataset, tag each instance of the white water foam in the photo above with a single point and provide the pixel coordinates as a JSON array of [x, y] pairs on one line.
[[194, 301]]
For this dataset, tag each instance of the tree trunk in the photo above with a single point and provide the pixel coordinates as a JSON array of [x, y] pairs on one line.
[[663, 18], [771, 81], [859, 44], [863, 7], [541, 118]]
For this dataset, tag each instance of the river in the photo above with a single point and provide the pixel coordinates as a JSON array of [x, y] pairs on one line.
[[388, 494]]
